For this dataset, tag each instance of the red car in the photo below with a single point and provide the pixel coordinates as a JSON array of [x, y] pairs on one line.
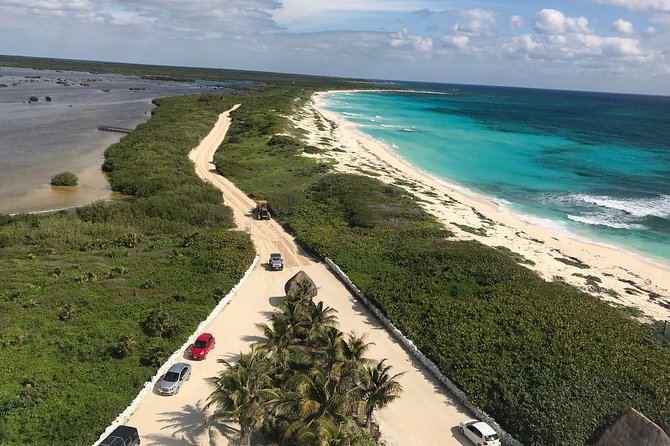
[[201, 346]]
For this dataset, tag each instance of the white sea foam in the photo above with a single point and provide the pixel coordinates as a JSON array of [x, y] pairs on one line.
[[636, 207], [602, 219], [554, 225]]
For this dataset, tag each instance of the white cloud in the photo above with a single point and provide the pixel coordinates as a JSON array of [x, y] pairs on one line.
[[77, 8], [517, 22], [458, 41], [639, 5], [621, 47], [578, 47], [403, 39], [551, 21], [291, 10], [623, 26], [478, 21]]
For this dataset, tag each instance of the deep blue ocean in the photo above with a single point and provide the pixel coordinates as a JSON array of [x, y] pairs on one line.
[[595, 165]]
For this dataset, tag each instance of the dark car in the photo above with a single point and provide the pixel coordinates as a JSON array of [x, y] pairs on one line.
[[122, 436], [202, 346]]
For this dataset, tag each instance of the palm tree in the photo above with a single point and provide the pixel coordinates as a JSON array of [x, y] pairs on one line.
[[328, 348], [314, 399], [326, 433], [243, 392], [354, 350], [379, 389], [321, 318]]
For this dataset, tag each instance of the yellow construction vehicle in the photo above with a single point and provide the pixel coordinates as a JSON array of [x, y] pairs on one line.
[[262, 212]]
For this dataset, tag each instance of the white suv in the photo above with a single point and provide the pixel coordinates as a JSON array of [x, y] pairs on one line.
[[479, 433]]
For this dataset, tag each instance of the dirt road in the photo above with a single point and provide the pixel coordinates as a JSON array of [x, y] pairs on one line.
[[424, 415]]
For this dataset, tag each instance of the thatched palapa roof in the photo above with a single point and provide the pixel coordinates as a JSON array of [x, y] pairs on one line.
[[633, 429], [301, 283]]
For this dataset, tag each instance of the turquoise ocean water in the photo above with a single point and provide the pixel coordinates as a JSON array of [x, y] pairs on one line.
[[596, 165]]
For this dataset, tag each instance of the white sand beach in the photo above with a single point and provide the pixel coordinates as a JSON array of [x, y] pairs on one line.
[[425, 414], [626, 279]]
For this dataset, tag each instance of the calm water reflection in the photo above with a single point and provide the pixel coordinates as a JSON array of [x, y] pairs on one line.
[[39, 139]]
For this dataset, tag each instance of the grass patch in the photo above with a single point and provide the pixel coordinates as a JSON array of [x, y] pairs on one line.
[[573, 262], [518, 258], [367, 172], [471, 230]]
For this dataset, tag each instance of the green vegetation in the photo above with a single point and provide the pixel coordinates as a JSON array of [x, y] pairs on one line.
[[307, 384], [552, 364], [3, 85], [589, 279], [167, 78], [93, 301], [64, 179], [573, 262], [48, 98], [471, 230], [515, 255], [33, 99]]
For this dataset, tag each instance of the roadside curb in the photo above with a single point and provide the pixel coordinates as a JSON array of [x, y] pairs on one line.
[[149, 385], [434, 370]]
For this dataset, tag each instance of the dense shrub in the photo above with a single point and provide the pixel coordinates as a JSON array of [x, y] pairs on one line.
[[64, 179]]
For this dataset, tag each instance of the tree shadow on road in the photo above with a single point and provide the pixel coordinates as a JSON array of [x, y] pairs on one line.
[[191, 427]]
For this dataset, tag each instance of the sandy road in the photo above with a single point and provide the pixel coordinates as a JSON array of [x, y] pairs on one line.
[[424, 415]]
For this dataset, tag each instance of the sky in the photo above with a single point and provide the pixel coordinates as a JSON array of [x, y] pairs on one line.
[[598, 45]]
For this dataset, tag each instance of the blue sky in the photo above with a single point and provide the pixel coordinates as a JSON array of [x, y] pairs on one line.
[[604, 45]]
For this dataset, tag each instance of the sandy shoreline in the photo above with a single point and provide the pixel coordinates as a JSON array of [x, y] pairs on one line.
[[625, 279]]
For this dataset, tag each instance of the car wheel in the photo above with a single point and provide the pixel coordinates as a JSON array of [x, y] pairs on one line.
[[460, 429], [177, 391]]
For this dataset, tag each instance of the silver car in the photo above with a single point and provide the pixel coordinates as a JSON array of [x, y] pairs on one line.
[[173, 379]]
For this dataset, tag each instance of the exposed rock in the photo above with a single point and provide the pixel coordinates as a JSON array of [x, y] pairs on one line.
[[301, 282], [633, 429]]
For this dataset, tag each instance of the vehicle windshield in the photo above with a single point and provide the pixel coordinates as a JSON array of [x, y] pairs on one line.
[[200, 344], [171, 377], [491, 437]]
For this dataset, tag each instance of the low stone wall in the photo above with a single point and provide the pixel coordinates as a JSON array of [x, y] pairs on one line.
[[176, 356], [506, 438]]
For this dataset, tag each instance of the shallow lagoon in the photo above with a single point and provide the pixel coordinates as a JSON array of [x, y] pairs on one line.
[[42, 138]]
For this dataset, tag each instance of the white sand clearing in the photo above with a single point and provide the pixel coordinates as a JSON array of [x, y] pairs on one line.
[[424, 415], [625, 279]]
